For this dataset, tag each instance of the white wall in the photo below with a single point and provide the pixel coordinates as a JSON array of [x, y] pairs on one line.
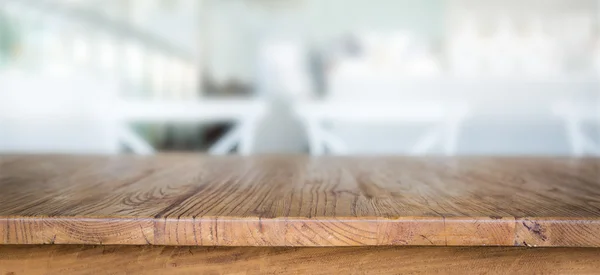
[[236, 28]]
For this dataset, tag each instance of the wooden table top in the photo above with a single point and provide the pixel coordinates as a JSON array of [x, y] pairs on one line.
[[299, 201]]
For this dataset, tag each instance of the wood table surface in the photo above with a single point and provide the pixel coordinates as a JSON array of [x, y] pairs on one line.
[[196, 200]]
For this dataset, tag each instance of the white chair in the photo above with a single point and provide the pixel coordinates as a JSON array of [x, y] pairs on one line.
[[446, 117], [83, 114], [361, 95], [244, 113]]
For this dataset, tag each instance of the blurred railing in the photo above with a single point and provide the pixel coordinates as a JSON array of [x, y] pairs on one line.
[[79, 38]]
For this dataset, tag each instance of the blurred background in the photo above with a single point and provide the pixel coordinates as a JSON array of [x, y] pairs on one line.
[[338, 77]]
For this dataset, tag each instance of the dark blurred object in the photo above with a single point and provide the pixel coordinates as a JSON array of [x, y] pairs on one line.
[[230, 89]]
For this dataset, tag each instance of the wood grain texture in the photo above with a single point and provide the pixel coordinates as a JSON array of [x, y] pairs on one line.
[[75, 259], [299, 201]]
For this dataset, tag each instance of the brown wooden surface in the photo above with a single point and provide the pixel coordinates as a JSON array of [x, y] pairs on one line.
[[299, 201], [76, 259]]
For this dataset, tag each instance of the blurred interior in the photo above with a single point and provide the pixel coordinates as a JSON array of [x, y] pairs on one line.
[[337, 77]]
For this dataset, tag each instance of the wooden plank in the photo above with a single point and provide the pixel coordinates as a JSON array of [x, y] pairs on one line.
[[74, 259], [299, 201]]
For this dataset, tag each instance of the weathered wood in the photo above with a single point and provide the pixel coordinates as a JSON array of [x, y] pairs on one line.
[[299, 201], [75, 259]]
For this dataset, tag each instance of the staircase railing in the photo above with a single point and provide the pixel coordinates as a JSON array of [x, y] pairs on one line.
[[153, 67]]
